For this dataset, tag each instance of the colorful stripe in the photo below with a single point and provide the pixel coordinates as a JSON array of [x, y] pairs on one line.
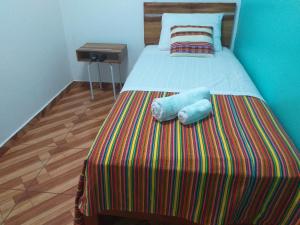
[[236, 167], [192, 41]]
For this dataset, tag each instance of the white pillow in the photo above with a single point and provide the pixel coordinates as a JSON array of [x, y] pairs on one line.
[[194, 19]]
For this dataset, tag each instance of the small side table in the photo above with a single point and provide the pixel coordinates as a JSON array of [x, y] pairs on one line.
[[102, 53]]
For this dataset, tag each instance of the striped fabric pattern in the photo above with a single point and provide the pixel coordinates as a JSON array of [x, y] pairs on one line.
[[236, 167], [192, 41]]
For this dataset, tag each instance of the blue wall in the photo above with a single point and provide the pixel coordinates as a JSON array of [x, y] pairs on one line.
[[268, 45]]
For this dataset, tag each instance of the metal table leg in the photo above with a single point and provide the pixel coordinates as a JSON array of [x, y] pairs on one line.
[[99, 70], [113, 80], [90, 79], [120, 76]]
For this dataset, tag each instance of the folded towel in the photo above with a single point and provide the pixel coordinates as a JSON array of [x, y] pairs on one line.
[[195, 112], [167, 108]]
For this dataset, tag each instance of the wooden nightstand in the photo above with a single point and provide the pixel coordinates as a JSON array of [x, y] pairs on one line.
[[102, 53]]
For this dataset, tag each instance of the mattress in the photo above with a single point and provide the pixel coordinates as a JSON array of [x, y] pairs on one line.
[[238, 166], [223, 74]]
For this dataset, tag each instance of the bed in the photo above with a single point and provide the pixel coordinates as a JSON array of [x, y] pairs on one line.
[[236, 167]]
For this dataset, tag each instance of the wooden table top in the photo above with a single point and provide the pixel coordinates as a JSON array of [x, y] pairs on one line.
[[103, 47], [114, 52]]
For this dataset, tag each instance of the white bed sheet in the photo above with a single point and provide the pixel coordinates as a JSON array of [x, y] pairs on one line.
[[223, 74]]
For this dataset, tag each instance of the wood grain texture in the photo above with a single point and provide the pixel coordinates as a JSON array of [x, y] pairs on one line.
[[115, 53], [39, 172], [29, 125], [101, 47], [153, 14]]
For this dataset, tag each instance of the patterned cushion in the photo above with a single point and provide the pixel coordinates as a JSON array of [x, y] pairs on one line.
[[192, 41]]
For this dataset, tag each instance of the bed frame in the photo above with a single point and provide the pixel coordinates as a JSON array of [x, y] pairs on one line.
[[152, 26]]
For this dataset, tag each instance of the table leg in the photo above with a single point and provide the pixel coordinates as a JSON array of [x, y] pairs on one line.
[[120, 76], [90, 79], [99, 70], [113, 80]]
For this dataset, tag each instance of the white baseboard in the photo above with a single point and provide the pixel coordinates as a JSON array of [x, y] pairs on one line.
[[32, 117], [96, 81]]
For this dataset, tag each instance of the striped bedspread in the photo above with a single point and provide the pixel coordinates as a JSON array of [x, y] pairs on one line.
[[236, 167]]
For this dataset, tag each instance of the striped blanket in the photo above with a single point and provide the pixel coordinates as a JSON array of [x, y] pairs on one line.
[[236, 167]]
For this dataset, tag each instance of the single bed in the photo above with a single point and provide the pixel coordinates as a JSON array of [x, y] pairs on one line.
[[236, 167]]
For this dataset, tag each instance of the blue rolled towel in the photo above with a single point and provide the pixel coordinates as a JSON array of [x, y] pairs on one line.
[[167, 108], [195, 112]]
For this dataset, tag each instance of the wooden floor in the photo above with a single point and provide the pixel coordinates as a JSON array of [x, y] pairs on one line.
[[39, 173]]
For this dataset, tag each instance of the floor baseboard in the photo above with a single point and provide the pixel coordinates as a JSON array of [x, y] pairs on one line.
[[22, 130]]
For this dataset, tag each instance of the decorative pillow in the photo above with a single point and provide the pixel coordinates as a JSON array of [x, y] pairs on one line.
[[205, 19], [192, 41]]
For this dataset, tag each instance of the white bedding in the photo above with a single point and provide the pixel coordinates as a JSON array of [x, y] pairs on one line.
[[223, 74]]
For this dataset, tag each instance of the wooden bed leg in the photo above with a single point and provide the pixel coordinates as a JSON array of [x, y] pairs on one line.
[[92, 220]]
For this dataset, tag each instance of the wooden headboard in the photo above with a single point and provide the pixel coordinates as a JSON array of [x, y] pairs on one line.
[[153, 13]]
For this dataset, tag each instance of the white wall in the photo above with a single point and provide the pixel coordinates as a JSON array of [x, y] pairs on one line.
[[119, 21], [34, 65], [115, 21], [38, 40]]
